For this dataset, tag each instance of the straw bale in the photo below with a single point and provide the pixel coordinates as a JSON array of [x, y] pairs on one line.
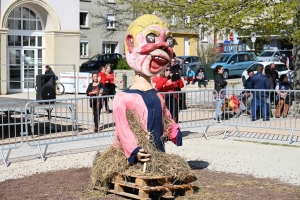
[[113, 161]]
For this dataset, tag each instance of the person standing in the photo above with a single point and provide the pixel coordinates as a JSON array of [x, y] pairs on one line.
[[275, 77], [103, 79], [94, 89], [259, 82], [48, 70], [267, 72], [201, 77], [175, 65], [110, 81], [190, 76], [220, 84], [290, 75], [284, 59], [166, 84]]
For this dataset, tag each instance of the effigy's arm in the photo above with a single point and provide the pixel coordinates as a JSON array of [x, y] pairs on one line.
[[175, 135]]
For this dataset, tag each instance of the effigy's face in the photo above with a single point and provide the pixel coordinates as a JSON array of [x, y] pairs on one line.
[[152, 53]]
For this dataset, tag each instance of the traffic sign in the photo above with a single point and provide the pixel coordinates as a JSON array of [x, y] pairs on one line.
[[231, 36]]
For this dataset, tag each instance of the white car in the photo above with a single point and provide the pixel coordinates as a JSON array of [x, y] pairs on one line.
[[279, 67]]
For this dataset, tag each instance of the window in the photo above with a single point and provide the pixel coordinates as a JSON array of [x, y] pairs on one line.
[[243, 57], [253, 67], [187, 20], [173, 20], [251, 57], [110, 21], [188, 60], [195, 59], [109, 47], [277, 54], [233, 58], [84, 19], [14, 40], [18, 40], [280, 67], [84, 49], [202, 34], [22, 18]]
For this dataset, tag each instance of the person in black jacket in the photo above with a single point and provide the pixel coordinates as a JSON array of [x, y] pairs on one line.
[[260, 83], [48, 70], [94, 89], [274, 74], [220, 84]]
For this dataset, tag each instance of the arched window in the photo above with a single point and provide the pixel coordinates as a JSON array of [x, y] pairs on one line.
[[22, 18]]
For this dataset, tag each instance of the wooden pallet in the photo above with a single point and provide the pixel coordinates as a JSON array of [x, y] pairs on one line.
[[143, 187]]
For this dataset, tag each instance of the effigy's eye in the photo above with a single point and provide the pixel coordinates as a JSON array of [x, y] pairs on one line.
[[150, 38], [169, 40]]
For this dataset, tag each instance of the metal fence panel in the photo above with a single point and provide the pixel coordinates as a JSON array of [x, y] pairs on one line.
[[66, 120], [11, 127], [259, 108], [194, 108]]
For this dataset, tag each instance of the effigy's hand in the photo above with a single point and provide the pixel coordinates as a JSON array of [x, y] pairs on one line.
[[142, 156]]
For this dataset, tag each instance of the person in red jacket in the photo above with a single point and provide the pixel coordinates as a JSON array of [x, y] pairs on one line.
[[103, 79], [166, 84]]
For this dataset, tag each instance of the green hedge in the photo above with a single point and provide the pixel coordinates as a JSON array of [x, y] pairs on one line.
[[123, 65]]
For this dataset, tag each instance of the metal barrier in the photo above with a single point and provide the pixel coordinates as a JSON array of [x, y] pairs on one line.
[[194, 108], [11, 127], [259, 108], [65, 120]]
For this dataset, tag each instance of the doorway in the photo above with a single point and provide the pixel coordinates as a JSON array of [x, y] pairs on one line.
[[24, 65]]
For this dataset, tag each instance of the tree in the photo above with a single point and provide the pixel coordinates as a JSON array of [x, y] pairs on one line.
[[265, 17], [207, 54]]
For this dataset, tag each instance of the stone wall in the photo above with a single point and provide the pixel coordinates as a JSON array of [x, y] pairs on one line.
[[119, 76]]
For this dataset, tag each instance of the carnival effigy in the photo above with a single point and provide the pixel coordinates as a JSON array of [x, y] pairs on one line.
[[142, 121]]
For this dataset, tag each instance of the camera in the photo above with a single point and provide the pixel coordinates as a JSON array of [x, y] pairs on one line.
[[175, 77]]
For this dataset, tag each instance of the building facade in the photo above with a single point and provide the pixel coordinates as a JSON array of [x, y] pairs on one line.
[[34, 33], [98, 30], [101, 34]]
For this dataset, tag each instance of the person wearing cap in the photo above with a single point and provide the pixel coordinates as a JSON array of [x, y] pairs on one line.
[[49, 70], [190, 76]]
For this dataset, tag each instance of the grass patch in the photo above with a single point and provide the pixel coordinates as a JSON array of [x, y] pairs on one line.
[[268, 143]]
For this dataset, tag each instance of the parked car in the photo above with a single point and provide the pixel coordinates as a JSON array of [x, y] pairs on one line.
[[188, 62], [234, 63], [273, 55], [93, 64], [279, 67]]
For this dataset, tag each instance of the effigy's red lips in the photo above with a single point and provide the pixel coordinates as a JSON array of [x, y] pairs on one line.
[[159, 59]]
